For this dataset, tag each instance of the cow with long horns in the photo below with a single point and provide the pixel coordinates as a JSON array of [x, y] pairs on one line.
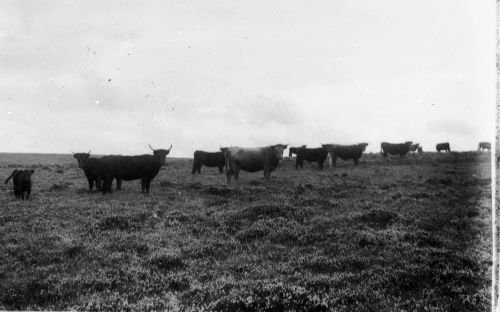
[[143, 167]]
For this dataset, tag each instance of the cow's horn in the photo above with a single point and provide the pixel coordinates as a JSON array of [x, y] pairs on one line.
[[72, 152], [170, 147], [151, 148]]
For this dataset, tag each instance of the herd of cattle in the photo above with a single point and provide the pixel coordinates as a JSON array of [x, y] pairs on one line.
[[102, 171]]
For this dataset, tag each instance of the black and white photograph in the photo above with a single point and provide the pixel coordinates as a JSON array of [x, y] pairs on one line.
[[249, 155]]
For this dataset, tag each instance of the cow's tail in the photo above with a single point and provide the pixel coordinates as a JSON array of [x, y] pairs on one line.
[[11, 175]]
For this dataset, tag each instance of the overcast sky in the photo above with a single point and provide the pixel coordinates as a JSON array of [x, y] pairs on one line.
[[115, 76]]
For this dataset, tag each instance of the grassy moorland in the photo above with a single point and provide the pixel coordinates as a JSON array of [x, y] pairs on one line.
[[383, 236]]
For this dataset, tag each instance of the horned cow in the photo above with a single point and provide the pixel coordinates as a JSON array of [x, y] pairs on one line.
[[251, 160], [345, 152], [21, 180], [144, 167]]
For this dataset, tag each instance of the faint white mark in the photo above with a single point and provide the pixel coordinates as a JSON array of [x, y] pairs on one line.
[[98, 102], [169, 107]]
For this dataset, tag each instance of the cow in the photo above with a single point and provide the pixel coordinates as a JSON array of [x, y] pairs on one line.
[[420, 150], [293, 150], [345, 152], [443, 147], [251, 160], [415, 147], [484, 146], [128, 168], [400, 149], [311, 155], [215, 159], [21, 180], [90, 167]]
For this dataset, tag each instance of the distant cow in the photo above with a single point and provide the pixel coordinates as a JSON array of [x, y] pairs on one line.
[[345, 152], [420, 150], [252, 160], [443, 147], [400, 149], [414, 147], [144, 167], [90, 167], [293, 150], [22, 182], [484, 146], [208, 159], [311, 155]]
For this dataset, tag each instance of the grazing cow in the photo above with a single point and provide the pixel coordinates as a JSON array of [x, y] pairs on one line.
[[251, 160], [345, 152], [215, 159], [420, 150], [293, 150], [90, 167], [22, 182], [400, 149], [311, 155], [144, 167], [443, 147], [414, 147], [484, 146]]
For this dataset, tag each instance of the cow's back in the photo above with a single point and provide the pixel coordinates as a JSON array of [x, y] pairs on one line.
[[131, 167], [248, 159]]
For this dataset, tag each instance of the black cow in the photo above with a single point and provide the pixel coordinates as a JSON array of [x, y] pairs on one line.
[[400, 149], [144, 167], [215, 159], [443, 147], [252, 160], [90, 167], [311, 155], [345, 152], [420, 150], [293, 150], [21, 180], [414, 147], [484, 146]]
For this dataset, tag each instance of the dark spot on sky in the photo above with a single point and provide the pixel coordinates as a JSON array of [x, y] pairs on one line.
[[109, 80]]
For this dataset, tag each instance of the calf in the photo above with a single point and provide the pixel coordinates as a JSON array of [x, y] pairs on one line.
[[311, 155], [208, 159], [22, 182]]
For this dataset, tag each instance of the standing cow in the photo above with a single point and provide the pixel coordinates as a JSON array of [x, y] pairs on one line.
[[90, 167], [293, 150], [345, 152], [443, 147], [400, 149], [208, 159], [252, 160], [311, 155], [484, 146], [21, 180], [414, 147], [144, 167]]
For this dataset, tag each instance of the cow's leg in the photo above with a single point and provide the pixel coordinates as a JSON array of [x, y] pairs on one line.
[[236, 172], [221, 169], [193, 171], [148, 184], [118, 184], [143, 185], [91, 184], [28, 192], [355, 161], [320, 163]]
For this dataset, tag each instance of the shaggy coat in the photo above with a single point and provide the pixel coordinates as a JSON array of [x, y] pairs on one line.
[[21, 180]]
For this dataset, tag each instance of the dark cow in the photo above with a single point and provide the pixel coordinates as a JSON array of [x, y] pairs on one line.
[[144, 167], [484, 146], [414, 147], [443, 147], [22, 182], [90, 167], [293, 150], [311, 155], [345, 152], [252, 160], [215, 159], [400, 149], [420, 150]]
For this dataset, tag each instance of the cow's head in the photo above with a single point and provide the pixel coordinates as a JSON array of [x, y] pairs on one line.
[[278, 150], [408, 144], [363, 146], [328, 147], [82, 158], [161, 154]]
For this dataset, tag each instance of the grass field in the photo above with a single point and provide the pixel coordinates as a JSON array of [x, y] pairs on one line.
[[383, 236]]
